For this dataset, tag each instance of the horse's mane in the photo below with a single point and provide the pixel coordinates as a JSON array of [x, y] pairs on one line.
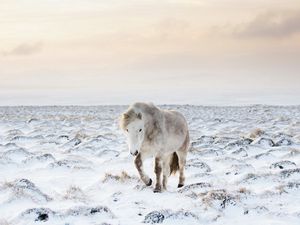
[[127, 117], [150, 114]]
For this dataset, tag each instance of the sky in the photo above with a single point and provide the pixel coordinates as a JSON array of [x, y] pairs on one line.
[[90, 52]]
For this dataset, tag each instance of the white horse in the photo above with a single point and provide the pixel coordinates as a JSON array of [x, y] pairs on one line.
[[164, 134]]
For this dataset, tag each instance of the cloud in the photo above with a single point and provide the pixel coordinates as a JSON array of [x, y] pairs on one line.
[[270, 24], [24, 49]]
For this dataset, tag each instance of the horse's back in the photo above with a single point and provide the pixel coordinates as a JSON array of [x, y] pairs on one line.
[[175, 123], [171, 123]]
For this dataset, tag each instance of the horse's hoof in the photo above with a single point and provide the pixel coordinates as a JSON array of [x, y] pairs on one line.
[[157, 190], [180, 185], [150, 182]]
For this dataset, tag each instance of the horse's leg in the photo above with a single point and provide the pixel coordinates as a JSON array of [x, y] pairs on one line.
[[158, 170], [181, 162], [139, 165], [166, 171], [182, 152]]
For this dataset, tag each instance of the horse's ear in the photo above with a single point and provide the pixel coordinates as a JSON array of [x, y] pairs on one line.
[[125, 116], [139, 116]]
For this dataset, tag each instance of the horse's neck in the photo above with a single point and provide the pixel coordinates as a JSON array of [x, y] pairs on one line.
[[153, 120], [146, 115], [147, 119]]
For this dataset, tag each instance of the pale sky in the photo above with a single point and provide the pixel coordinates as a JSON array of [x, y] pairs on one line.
[[225, 52]]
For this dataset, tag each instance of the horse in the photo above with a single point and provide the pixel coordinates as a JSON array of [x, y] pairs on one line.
[[158, 133]]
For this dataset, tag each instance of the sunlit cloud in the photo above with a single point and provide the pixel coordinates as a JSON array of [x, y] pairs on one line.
[[271, 24], [24, 49], [149, 45]]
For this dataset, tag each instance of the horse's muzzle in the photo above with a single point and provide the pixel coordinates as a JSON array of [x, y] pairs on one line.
[[135, 153]]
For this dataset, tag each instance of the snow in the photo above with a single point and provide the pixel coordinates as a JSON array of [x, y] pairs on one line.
[[71, 165]]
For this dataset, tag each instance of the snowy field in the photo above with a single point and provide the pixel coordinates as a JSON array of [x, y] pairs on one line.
[[70, 165]]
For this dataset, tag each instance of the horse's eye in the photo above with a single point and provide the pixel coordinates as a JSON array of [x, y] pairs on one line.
[[140, 130]]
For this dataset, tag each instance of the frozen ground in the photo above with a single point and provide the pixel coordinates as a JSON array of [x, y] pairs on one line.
[[70, 165]]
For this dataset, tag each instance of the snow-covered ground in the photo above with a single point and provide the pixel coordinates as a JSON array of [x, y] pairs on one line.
[[70, 165]]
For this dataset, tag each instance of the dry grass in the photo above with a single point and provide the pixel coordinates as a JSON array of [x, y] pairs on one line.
[[280, 189], [218, 198], [210, 196], [75, 193], [16, 192], [122, 178], [19, 192], [4, 185], [244, 190], [256, 133], [194, 149]]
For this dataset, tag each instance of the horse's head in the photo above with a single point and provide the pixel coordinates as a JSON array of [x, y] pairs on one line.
[[133, 125]]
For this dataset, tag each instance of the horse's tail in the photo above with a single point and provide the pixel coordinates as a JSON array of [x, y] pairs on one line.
[[174, 165]]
